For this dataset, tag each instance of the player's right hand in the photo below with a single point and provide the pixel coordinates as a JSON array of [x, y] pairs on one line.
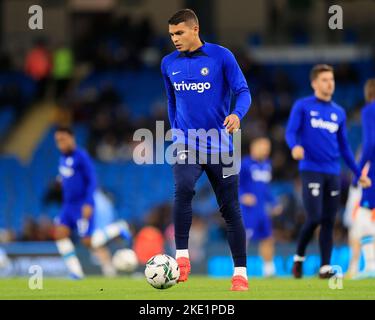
[[248, 199], [232, 123], [298, 153], [365, 182]]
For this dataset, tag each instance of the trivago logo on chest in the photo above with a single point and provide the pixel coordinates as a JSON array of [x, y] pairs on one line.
[[332, 127], [200, 87]]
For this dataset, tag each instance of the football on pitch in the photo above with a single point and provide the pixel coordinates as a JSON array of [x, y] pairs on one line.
[[162, 271], [125, 260]]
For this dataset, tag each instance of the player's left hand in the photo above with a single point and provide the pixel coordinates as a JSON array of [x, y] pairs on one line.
[[365, 182], [232, 123], [86, 211]]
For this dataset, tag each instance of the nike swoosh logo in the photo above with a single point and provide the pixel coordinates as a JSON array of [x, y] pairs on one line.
[[226, 176], [335, 193], [174, 73]]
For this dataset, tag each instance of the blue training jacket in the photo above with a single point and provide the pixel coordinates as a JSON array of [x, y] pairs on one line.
[[78, 178], [320, 128], [199, 88], [368, 153]]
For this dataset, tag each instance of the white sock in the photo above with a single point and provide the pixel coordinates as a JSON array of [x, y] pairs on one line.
[[182, 253], [298, 258], [269, 269], [98, 238], [325, 268], [66, 249], [113, 230], [240, 271], [368, 248]]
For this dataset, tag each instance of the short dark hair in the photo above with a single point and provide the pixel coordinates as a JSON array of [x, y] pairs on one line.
[[183, 15], [65, 129], [318, 69], [370, 90], [257, 137]]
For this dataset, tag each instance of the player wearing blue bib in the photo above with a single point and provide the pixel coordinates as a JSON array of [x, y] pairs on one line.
[[255, 198], [316, 135], [200, 79]]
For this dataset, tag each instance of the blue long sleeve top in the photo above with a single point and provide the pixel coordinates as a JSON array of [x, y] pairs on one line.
[[368, 153], [78, 178], [320, 128], [368, 127], [199, 87]]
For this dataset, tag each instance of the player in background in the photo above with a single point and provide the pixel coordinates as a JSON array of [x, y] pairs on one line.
[[4, 260], [365, 214], [107, 227], [316, 135], [77, 215], [200, 78], [255, 198], [352, 203]]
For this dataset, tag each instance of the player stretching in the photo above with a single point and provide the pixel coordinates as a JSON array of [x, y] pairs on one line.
[[199, 78], [365, 215], [316, 135], [255, 195], [77, 215]]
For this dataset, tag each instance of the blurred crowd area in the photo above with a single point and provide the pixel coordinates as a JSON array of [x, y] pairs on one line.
[[122, 91]]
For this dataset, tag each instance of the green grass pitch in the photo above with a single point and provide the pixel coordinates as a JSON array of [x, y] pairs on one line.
[[198, 287]]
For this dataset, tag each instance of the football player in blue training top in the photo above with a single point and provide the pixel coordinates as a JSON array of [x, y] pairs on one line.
[[316, 135], [200, 78], [77, 218], [256, 199], [364, 227]]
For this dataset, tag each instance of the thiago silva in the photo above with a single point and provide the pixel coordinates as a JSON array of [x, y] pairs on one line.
[[200, 79]]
